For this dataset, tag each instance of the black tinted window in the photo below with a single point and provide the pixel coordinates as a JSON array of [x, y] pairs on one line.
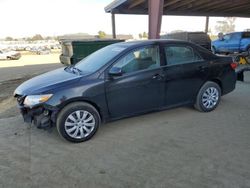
[[180, 55], [143, 58], [96, 60], [246, 35]]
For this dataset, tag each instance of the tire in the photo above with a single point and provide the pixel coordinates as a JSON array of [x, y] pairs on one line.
[[78, 122], [208, 97]]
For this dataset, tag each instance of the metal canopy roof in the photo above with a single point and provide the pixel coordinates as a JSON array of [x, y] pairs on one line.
[[225, 8]]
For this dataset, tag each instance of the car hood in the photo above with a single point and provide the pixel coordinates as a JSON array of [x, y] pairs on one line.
[[215, 41], [47, 82]]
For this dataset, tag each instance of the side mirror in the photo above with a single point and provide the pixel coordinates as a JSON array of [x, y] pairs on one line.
[[221, 36], [115, 71], [222, 39]]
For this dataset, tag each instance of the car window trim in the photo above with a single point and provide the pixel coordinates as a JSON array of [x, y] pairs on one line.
[[137, 72]]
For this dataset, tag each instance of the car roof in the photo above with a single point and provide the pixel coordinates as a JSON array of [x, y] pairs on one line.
[[235, 32], [149, 42], [187, 32], [141, 43]]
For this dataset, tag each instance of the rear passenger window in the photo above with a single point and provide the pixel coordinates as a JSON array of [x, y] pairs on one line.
[[181, 55], [235, 36], [246, 35]]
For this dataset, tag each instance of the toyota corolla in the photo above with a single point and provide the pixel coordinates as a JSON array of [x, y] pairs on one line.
[[122, 80]]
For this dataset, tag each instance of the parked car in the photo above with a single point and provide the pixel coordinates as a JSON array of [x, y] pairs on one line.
[[33, 49], [27, 48], [200, 38], [75, 50], [11, 55], [122, 80], [43, 51], [235, 42]]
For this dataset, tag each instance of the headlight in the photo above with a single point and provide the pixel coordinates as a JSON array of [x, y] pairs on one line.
[[33, 100]]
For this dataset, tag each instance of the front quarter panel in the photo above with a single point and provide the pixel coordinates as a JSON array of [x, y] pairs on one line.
[[216, 43], [91, 91]]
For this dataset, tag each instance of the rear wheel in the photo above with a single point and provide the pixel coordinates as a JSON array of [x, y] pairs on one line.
[[208, 97], [78, 122]]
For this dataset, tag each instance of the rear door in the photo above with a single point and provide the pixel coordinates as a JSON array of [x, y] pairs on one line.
[[245, 41], [234, 42], [140, 88], [185, 73]]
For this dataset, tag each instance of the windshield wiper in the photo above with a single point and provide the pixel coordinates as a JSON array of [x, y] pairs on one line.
[[73, 69]]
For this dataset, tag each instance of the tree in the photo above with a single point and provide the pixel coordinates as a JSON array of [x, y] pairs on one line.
[[225, 26], [48, 38], [28, 39], [101, 34], [144, 35], [37, 37], [8, 39]]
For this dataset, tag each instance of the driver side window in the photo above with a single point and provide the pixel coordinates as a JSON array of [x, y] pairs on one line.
[[227, 37], [140, 59]]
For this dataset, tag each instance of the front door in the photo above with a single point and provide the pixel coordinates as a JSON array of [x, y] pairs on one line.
[[140, 88], [234, 42]]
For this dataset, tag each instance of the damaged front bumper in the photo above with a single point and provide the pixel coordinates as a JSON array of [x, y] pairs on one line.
[[42, 116]]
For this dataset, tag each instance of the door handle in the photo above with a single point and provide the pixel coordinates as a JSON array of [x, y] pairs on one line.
[[202, 68], [158, 77]]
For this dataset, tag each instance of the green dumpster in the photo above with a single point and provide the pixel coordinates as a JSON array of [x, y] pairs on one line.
[[75, 50]]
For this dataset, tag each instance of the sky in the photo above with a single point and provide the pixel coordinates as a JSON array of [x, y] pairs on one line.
[[23, 18]]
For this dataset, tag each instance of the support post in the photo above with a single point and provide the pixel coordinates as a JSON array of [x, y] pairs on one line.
[[113, 25], [155, 11], [207, 24]]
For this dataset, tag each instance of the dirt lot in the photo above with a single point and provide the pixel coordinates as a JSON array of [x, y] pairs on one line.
[[174, 148], [13, 73], [28, 65]]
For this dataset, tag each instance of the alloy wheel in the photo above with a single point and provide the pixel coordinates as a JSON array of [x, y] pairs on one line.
[[210, 97], [79, 124]]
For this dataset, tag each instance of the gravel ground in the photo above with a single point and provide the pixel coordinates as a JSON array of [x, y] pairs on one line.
[[173, 148]]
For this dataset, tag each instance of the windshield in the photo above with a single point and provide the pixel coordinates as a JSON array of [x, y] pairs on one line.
[[96, 60]]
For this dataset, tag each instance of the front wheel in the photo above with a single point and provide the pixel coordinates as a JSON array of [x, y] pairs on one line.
[[208, 97], [78, 122]]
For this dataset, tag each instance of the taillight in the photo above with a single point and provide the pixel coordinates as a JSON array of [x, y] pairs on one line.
[[233, 65]]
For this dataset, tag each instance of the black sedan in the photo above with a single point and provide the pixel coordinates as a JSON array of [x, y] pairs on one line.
[[125, 79]]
